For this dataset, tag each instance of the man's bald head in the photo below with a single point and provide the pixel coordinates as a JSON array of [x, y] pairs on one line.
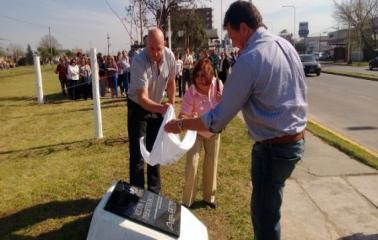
[[155, 44]]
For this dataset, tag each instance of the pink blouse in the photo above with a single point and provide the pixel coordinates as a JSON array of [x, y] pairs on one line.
[[194, 101]]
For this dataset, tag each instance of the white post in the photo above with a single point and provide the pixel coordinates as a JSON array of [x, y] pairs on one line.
[[38, 76], [169, 32], [96, 94]]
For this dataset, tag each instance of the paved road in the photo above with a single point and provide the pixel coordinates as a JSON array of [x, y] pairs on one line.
[[346, 105], [351, 69]]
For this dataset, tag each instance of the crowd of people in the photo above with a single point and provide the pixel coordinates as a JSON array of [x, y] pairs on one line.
[[75, 75]]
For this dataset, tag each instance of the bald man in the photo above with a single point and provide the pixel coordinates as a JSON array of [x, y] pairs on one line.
[[152, 72]]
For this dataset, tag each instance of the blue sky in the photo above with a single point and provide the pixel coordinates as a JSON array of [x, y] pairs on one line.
[[85, 23]]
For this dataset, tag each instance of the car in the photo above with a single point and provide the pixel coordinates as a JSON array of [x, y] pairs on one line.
[[310, 64], [323, 56], [373, 63]]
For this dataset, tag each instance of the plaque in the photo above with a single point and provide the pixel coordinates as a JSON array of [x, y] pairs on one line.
[[146, 208]]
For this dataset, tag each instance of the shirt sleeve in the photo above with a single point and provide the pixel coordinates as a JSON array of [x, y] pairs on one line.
[[237, 91], [138, 73], [172, 67]]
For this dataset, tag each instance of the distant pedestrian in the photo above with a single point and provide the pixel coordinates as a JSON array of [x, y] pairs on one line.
[[61, 70], [224, 67], [73, 79], [187, 69]]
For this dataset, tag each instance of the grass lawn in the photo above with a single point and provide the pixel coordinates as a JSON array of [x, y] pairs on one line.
[[53, 172]]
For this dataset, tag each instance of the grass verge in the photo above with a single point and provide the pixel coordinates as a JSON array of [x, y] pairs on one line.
[[350, 148], [351, 74], [53, 172]]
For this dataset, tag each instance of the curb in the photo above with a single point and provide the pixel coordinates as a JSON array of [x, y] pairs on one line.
[[371, 152], [349, 75]]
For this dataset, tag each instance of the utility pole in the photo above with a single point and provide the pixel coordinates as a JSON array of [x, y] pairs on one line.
[[108, 42], [50, 45]]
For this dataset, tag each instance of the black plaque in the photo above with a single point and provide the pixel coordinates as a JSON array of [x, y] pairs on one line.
[[146, 208]]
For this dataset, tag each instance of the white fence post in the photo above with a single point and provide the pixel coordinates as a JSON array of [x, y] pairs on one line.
[[96, 94], [38, 80]]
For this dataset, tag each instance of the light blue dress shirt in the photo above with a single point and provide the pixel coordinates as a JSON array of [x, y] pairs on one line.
[[267, 84]]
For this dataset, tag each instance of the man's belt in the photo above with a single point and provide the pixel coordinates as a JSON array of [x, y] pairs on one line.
[[285, 139]]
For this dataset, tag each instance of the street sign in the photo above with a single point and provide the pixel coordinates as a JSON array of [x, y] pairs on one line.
[[303, 29]]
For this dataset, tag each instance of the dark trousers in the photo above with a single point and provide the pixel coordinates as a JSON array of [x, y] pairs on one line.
[[141, 122], [272, 164], [63, 84], [179, 84], [186, 79]]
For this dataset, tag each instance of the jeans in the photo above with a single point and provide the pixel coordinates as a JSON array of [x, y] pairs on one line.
[[142, 123], [272, 164]]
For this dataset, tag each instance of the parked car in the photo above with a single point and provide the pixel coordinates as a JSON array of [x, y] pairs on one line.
[[323, 56], [310, 64], [373, 63]]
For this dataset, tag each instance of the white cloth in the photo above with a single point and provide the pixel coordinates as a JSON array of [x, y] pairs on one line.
[[168, 147]]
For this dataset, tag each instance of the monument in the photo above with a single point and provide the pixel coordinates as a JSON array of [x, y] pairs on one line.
[[129, 212]]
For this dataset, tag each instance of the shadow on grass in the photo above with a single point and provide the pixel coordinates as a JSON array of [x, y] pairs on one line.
[[360, 236], [76, 229], [15, 99], [67, 146]]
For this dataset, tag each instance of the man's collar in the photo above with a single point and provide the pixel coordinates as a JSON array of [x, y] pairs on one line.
[[252, 39]]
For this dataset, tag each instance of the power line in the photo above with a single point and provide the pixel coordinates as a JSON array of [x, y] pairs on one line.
[[23, 21]]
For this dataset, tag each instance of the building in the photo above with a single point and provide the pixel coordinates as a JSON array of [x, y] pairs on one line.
[[316, 44]]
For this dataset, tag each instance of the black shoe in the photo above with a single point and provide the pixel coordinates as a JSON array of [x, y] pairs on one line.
[[211, 205]]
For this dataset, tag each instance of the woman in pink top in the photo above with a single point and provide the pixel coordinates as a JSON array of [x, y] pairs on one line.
[[203, 95]]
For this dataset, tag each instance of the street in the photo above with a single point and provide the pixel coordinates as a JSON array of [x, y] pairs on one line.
[[346, 105]]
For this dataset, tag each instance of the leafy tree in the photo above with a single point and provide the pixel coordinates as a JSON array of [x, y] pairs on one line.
[[191, 28], [359, 15], [46, 50], [29, 55]]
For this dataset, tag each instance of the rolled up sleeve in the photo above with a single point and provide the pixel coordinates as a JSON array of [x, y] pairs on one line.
[[237, 90]]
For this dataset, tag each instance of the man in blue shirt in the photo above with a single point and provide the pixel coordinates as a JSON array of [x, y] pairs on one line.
[[267, 84]]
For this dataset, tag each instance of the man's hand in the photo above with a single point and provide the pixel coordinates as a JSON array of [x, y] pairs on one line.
[[164, 108], [172, 127]]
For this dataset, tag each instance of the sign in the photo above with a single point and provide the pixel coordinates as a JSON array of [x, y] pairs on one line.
[[146, 208], [303, 29]]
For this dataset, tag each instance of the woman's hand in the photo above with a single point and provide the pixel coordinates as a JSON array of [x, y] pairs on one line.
[[172, 127]]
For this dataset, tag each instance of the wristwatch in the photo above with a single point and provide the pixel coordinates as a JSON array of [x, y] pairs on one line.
[[180, 124]]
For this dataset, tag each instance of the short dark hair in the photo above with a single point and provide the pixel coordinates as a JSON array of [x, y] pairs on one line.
[[243, 12]]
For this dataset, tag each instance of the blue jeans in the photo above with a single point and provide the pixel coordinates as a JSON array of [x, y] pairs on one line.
[[272, 164]]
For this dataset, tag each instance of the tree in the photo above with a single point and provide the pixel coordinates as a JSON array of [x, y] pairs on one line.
[[145, 13], [359, 16], [16, 50], [29, 55], [48, 48], [2, 52], [188, 30]]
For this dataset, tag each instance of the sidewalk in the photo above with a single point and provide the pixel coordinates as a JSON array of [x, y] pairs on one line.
[[330, 196]]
